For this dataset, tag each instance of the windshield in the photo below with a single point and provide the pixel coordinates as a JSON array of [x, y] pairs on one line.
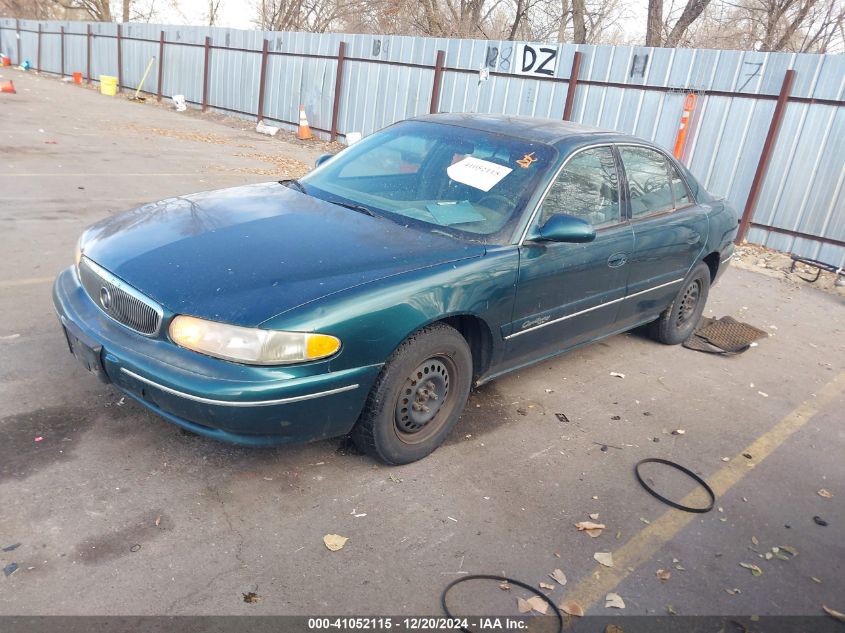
[[464, 182]]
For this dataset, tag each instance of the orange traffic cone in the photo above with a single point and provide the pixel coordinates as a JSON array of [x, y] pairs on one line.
[[7, 86], [304, 132]]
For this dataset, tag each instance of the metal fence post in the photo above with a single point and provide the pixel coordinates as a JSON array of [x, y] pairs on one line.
[[38, 54], [571, 85], [160, 65], [338, 85], [205, 74], [438, 79], [18, 35], [119, 59], [88, 53], [62, 43], [261, 80], [765, 156]]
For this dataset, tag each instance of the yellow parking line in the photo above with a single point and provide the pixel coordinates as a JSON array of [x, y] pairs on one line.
[[14, 283], [648, 542]]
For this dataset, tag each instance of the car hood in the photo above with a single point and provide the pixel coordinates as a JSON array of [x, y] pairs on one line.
[[245, 254]]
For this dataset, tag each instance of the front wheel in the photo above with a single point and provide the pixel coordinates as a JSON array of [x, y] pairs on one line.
[[418, 396], [677, 322]]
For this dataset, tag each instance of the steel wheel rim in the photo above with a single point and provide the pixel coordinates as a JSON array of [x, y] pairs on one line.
[[689, 302], [424, 403]]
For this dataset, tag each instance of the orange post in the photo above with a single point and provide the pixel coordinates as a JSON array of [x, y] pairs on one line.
[[689, 106]]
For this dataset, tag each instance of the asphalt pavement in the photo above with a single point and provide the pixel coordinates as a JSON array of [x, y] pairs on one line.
[[118, 512]]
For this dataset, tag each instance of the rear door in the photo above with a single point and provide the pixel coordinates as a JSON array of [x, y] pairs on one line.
[[670, 231], [569, 293]]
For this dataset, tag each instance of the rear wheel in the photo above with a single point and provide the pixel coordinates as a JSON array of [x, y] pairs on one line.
[[417, 398], [677, 323]]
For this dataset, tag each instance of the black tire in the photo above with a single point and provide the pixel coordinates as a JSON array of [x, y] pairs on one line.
[[677, 322], [417, 398]]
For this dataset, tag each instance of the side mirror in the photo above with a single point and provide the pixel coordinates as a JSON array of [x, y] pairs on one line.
[[322, 159], [566, 228]]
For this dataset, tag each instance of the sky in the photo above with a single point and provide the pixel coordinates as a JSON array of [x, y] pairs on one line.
[[240, 14]]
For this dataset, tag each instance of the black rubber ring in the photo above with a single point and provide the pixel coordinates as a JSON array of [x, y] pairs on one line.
[[686, 471], [510, 581]]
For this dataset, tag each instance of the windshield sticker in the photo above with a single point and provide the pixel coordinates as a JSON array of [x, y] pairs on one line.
[[481, 174], [448, 213], [526, 161]]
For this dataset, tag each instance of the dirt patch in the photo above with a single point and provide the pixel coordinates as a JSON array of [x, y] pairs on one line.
[[776, 264], [34, 440], [182, 135], [127, 541]]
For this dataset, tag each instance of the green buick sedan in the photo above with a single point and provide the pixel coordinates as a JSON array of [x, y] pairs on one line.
[[369, 297]]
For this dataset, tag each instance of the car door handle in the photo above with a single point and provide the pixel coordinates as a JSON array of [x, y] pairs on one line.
[[694, 238], [617, 259]]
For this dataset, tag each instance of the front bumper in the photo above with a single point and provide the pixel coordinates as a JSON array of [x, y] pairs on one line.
[[226, 401]]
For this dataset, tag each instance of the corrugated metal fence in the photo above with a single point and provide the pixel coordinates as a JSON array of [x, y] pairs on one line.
[[362, 83]]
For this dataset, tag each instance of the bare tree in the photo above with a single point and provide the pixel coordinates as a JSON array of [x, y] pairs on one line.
[[213, 11]]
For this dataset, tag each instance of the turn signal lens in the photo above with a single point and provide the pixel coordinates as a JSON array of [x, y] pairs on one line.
[[252, 346], [321, 345]]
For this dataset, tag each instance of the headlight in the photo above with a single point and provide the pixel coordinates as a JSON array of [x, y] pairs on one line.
[[250, 345]]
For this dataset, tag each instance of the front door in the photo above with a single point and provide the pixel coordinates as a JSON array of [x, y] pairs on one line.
[[568, 294]]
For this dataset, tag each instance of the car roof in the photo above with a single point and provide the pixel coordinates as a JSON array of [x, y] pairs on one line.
[[550, 131]]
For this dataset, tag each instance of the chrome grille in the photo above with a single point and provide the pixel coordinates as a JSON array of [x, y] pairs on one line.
[[118, 300]]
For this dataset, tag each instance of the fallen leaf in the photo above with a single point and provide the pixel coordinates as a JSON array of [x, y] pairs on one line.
[[594, 516], [671, 610], [814, 579], [616, 374], [613, 601], [680, 568], [523, 605], [558, 576], [546, 585], [571, 607], [834, 614], [755, 571], [789, 550], [613, 628], [251, 597], [334, 542], [604, 558], [158, 521], [678, 432], [504, 586], [824, 493], [664, 574], [733, 592], [646, 521], [754, 540], [589, 525], [538, 604]]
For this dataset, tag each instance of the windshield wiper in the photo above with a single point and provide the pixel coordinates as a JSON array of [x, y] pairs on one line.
[[293, 183], [360, 208]]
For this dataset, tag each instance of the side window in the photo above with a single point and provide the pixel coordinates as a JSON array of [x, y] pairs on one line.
[[588, 188], [402, 155], [648, 181]]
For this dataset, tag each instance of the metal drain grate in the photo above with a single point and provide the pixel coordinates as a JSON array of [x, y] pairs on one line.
[[723, 336]]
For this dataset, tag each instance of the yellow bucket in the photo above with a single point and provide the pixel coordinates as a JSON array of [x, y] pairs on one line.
[[108, 85]]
